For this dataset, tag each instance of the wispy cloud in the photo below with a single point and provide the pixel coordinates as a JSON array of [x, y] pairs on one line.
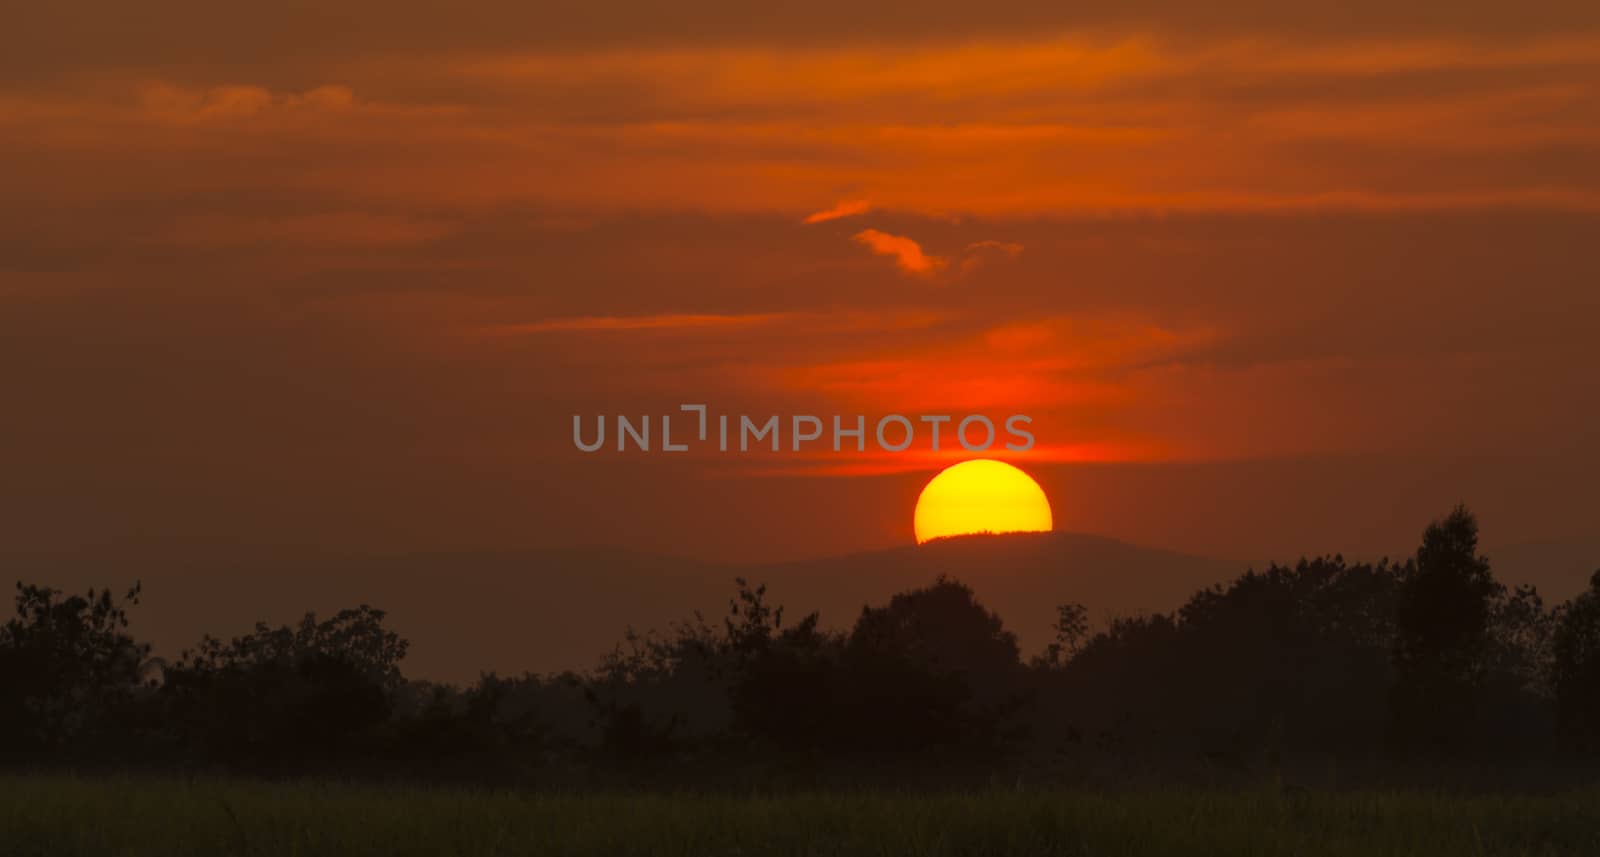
[[1048, 362], [845, 208], [1152, 125], [331, 229], [165, 102], [1009, 248], [907, 253], [666, 321], [980, 251], [884, 319]]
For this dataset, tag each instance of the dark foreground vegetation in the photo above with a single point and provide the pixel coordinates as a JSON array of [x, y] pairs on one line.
[[60, 817], [1326, 675]]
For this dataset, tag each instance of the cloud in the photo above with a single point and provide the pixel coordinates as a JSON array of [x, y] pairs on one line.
[[845, 208], [162, 101], [350, 229], [909, 256], [906, 252], [807, 324], [666, 321], [1010, 248], [1048, 363], [1056, 124], [979, 251], [75, 38]]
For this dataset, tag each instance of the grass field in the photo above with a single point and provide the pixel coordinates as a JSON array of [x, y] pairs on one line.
[[69, 816]]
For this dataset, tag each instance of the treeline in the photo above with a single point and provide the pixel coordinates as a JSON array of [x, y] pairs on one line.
[[1427, 660]]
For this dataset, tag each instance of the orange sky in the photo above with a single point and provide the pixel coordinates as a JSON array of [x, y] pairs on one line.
[[341, 274]]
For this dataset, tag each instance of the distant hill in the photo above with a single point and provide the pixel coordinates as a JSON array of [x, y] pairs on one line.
[[560, 609]]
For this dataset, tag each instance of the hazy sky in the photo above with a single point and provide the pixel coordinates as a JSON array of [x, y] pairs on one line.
[[1269, 278]]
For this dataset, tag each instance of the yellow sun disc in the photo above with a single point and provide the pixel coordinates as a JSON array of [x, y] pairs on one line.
[[981, 496]]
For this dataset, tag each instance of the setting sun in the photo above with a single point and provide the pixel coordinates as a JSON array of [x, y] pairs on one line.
[[981, 496]]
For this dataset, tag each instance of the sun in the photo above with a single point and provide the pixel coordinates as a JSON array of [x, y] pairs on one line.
[[981, 496]]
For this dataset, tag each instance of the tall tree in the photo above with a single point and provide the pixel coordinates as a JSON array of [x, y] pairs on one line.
[[1442, 635]]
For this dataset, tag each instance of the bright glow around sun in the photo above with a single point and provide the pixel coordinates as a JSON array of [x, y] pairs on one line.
[[981, 496]]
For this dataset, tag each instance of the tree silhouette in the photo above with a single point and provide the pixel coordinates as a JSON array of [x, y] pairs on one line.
[[67, 668], [783, 694], [1442, 639], [1289, 658], [931, 668], [1071, 632], [1575, 667], [279, 697], [1325, 656]]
